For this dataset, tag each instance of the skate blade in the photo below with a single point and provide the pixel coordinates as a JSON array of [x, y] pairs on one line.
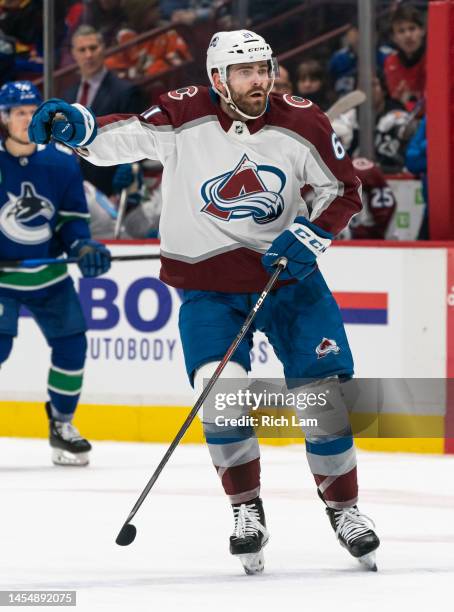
[[62, 457], [369, 562], [253, 563]]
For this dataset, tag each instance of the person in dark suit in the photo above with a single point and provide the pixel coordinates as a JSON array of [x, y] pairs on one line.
[[102, 91]]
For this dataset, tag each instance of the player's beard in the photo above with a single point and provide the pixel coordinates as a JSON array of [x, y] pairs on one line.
[[249, 105]]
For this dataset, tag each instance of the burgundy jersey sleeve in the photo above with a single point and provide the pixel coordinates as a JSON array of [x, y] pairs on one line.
[[379, 202], [323, 163]]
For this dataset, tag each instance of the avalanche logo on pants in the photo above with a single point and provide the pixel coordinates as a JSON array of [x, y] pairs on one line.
[[250, 190], [325, 347], [21, 218]]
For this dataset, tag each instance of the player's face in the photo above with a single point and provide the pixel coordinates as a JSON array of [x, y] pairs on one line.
[[19, 119], [408, 36], [249, 85], [88, 51]]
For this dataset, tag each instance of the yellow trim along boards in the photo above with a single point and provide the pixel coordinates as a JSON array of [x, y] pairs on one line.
[[160, 424]]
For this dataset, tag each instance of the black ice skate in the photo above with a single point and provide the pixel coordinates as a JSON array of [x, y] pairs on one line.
[[355, 532], [68, 446], [250, 535]]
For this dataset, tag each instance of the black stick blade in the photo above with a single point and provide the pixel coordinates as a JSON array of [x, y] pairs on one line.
[[127, 535]]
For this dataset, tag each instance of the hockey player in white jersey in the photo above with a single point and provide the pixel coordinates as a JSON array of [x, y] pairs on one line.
[[235, 158]]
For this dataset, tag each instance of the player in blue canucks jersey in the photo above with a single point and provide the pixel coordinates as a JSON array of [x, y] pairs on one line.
[[43, 213]]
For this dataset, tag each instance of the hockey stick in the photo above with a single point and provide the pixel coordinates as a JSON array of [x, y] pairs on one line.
[[346, 103], [128, 532], [5, 264], [120, 213]]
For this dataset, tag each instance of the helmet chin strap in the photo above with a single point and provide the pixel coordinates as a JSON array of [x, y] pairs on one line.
[[231, 104]]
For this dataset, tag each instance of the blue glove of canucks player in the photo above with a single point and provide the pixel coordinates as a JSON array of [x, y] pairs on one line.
[[300, 244], [123, 177], [129, 176], [94, 257], [72, 124]]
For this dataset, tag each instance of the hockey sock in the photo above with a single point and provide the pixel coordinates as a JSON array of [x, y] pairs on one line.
[[333, 464], [236, 456], [66, 374]]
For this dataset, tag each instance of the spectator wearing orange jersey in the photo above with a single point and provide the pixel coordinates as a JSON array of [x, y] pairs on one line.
[[149, 58]]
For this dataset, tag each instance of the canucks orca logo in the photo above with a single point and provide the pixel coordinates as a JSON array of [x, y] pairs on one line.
[[21, 218], [250, 190]]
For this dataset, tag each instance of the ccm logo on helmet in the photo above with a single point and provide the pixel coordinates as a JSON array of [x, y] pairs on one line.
[[178, 94], [252, 49]]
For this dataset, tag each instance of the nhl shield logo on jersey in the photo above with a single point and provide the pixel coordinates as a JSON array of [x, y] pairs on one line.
[[250, 190], [325, 347], [24, 218]]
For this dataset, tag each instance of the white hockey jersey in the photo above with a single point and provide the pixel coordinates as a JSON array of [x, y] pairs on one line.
[[229, 188]]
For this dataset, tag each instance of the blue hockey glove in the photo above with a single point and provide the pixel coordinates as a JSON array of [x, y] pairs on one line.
[[300, 244], [94, 257], [72, 124], [129, 176], [123, 177]]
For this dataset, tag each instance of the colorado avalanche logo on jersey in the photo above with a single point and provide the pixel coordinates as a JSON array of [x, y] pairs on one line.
[[24, 218], [325, 347], [250, 190]]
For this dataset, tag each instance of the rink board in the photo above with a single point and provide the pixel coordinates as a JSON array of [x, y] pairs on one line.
[[393, 301]]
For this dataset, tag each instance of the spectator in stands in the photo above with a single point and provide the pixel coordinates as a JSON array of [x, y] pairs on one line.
[[7, 58], [416, 162], [74, 15], [160, 53], [188, 11], [142, 15], [282, 83], [102, 90], [73, 18], [262, 10], [311, 83], [107, 17], [383, 103], [343, 65], [391, 122], [21, 21], [405, 69]]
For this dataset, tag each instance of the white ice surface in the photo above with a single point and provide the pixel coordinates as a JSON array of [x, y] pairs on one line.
[[58, 526]]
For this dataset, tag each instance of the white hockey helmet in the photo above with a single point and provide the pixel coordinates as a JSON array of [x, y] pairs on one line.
[[238, 47]]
